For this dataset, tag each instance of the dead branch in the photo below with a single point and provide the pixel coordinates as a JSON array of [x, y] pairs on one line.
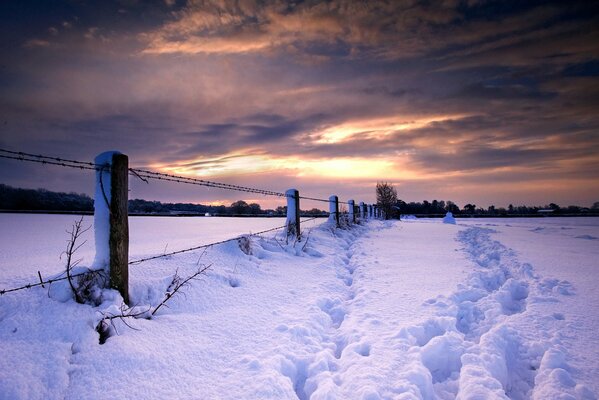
[[307, 239], [176, 285], [72, 247], [106, 325]]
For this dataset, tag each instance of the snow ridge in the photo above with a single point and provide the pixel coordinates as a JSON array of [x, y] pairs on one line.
[[492, 311], [380, 310], [313, 369]]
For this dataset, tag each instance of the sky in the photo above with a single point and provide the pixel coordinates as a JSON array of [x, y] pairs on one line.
[[474, 101]]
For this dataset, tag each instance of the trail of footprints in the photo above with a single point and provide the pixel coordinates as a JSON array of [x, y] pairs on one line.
[[307, 374], [471, 327]]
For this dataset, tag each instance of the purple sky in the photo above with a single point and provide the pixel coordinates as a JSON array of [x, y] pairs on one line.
[[488, 102]]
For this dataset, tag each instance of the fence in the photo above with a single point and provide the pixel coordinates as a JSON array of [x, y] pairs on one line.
[[111, 230]]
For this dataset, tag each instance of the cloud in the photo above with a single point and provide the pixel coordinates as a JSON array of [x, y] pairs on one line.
[[230, 27], [454, 98], [31, 43]]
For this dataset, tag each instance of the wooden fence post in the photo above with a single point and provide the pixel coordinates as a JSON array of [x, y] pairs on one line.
[[111, 225], [362, 211], [293, 213], [369, 210], [334, 209], [352, 211]]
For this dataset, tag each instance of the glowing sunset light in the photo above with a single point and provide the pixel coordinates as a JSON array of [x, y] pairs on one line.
[[377, 128], [342, 168]]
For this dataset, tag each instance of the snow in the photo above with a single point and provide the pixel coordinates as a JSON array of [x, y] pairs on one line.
[[449, 218], [384, 309], [333, 204], [102, 210]]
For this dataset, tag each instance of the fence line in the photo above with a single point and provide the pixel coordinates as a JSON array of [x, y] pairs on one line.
[[141, 260], [142, 173], [115, 165]]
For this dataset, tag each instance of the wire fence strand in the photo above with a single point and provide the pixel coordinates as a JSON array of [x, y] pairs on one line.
[[204, 246], [142, 174], [50, 162], [141, 260], [49, 281]]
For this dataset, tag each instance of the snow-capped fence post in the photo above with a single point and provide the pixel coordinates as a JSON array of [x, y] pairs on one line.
[[111, 226], [293, 213], [362, 211], [351, 209], [334, 209]]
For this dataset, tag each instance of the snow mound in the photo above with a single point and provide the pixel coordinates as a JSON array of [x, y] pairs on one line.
[[449, 219]]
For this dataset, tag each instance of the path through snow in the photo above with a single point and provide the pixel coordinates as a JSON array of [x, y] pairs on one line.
[[412, 310]]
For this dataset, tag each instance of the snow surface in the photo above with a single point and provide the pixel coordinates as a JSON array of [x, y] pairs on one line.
[[449, 218], [405, 310], [102, 196]]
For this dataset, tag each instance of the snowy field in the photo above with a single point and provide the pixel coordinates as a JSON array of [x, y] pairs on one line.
[[484, 309]]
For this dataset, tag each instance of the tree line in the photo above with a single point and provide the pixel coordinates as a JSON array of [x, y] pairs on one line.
[[17, 199], [393, 207]]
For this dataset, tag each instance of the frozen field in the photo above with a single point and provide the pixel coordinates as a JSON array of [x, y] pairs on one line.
[[485, 309], [40, 239]]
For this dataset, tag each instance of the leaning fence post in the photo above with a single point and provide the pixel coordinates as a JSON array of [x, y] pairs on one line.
[[334, 209], [111, 226], [352, 213], [293, 213]]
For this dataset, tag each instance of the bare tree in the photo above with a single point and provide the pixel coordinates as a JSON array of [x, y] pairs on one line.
[[386, 198]]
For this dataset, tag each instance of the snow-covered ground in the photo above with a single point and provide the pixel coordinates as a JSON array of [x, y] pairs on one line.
[[502, 308]]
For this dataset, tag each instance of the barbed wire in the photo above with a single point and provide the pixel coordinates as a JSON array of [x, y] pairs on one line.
[[141, 260], [40, 156], [142, 174], [49, 160], [204, 246], [322, 200], [49, 281]]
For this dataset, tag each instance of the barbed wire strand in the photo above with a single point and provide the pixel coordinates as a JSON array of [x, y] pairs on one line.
[[139, 173], [50, 281], [141, 260], [44, 161], [193, 181], [42, 282], [40, 156]]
